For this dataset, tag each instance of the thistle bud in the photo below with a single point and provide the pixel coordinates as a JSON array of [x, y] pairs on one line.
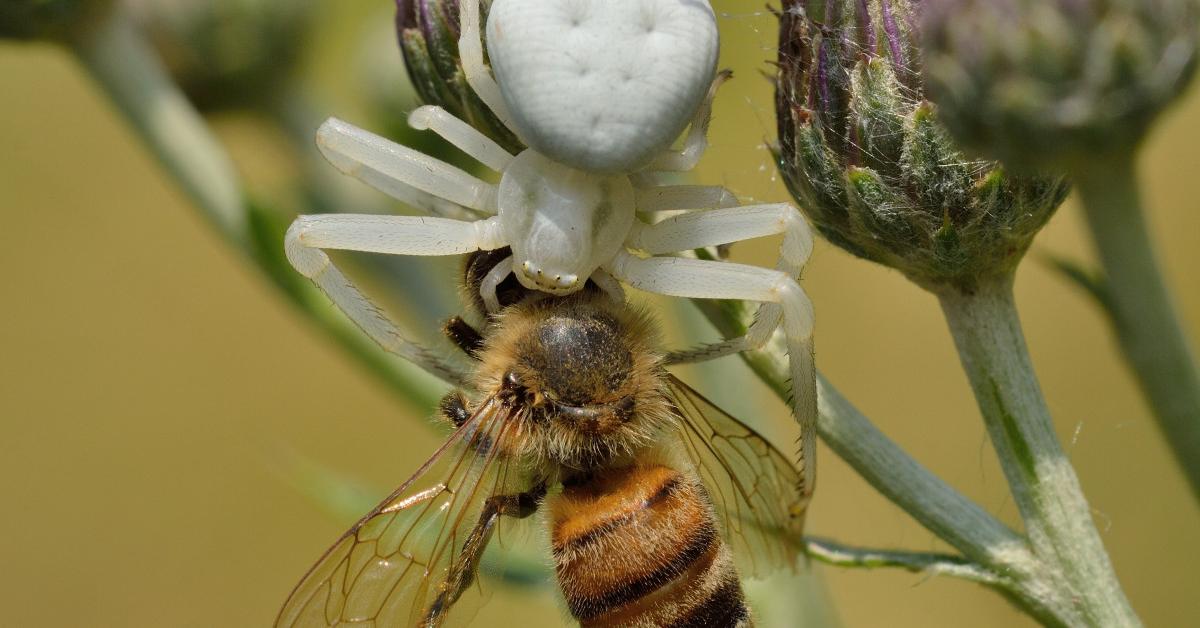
[[428, 32], [227, 53], [60, 20], [1052, 83], [869, 162]]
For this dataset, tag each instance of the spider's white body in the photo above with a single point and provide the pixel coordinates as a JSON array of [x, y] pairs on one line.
[[602, 86], [598, 89]]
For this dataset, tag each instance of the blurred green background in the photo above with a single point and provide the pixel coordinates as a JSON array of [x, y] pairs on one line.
[[153, 387]]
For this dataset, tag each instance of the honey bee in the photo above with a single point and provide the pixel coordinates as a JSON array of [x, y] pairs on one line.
[[649, 490]]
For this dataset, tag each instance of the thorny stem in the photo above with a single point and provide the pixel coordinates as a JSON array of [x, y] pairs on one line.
[[131, 74], [1058, 522], [1147, 327]]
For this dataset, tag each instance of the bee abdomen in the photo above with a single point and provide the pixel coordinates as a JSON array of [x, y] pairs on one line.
[[639, 547]]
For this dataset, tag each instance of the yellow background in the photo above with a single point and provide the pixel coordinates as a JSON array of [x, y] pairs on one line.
[[149, 379]]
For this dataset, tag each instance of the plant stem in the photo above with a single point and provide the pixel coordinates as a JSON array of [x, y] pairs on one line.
[[933, 503], [1057, 519], [1024, 578], [133, 77], [131, 74], [879, 460], [841, 555], [1148, 329]]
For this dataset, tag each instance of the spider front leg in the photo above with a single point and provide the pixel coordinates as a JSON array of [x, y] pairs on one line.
[[658, 198], [410, 176], [397, 235], [462, 135], [786, 305]]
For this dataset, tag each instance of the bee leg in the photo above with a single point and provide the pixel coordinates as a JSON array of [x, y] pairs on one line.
[[462, 571], [454, 408], [464, 336]]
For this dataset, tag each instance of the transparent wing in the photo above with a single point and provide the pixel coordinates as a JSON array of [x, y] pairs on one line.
[[406, 562], [754, 486]]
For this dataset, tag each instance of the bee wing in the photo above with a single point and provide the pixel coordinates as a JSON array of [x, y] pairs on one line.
[[753, 485], [392, 568]]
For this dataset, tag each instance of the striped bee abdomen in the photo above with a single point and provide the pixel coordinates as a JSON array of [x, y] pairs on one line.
[[639, 546]]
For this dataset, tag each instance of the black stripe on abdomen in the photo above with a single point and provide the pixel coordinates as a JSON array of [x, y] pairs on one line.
[[702, 543], [725, 608], [606, 528]]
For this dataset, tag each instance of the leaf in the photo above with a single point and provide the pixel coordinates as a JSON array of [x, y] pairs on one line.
[[1092, 281]]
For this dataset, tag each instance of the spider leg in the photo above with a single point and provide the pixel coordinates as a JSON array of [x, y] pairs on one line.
[[609, 285], [699, 229], [464, 136], [487, 287], [722, 226], [402, 235], [696, 141], [470, 50], [656, 198], [403, 173], [785, 305]]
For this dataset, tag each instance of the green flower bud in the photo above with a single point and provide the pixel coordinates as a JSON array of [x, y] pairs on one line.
[[227, 53], [60, 20], [428, 34], [1052, 83], [869, 162]]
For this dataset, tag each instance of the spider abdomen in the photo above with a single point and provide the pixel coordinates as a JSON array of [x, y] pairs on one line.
[[602, 85]]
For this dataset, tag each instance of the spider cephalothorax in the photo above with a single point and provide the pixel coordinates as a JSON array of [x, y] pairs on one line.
[[598, 90]]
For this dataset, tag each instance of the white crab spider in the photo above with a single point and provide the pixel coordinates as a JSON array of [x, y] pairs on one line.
[[598, 89]]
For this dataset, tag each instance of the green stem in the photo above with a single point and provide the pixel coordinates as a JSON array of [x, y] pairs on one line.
[[132, 76], [1148, 329], [933, 503], [1058, 521], [880, 461], [842, 555], [982, 539]]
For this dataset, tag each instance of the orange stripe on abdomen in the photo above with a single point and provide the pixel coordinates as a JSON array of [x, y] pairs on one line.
[[639, 546]]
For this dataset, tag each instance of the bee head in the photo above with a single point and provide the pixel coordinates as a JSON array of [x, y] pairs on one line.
[[578, 362], [585, 372]]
